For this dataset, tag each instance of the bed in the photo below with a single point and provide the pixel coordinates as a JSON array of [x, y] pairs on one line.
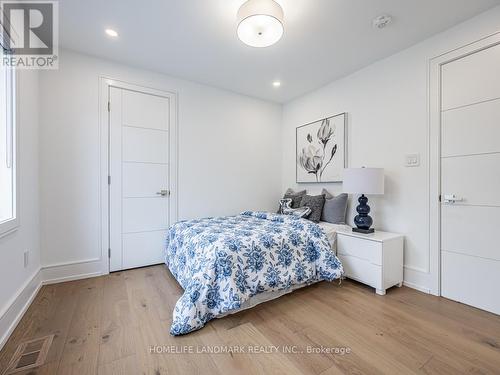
[[226, 264]]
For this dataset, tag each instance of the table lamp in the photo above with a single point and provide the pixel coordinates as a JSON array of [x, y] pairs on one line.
[[363, 181]]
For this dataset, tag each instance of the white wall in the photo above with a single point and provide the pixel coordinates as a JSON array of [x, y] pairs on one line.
[[229, 152], [388, 118], [16, 282]]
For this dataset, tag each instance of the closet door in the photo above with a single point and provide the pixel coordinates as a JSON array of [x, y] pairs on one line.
[[139, 186], [470, 179]]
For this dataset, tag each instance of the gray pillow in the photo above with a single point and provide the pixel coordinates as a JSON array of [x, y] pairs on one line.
[[335, 209], [315, 203], [294, 196]]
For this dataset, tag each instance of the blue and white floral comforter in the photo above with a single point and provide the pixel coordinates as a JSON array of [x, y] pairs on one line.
[[222, 262]]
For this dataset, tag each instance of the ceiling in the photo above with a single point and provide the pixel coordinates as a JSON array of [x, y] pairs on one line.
[[196, 39]]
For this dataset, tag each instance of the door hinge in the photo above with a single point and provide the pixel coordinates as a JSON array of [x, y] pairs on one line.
[[109, 106], [109, 180], [439, 197], [109, 252]]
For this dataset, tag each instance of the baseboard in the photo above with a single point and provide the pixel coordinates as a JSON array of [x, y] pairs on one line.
[[417, 279], [58, 273], [416, 269], [72, 278], [10, 318], [13, 314], [417, 287]]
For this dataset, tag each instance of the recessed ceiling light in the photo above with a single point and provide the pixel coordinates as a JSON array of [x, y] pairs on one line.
[[260, 23], [276, 83], [112, 33]]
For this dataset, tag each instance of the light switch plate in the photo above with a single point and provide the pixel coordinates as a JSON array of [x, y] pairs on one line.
[[412, 160]]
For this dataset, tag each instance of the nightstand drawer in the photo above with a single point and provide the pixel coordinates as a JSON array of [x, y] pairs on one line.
[[361, 270], [360, 248]]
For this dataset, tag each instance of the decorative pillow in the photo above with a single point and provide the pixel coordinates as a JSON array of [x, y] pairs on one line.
[[285, 203], [294, 196], [327, 194], [315, 203], [335, 208], [301, 211]]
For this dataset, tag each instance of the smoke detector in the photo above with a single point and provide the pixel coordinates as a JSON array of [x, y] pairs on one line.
[[381, 21]]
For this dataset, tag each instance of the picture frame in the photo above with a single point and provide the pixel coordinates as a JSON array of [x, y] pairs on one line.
[[321, 150]]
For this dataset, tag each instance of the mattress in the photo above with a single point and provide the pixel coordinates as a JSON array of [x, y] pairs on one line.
[[331, 232]]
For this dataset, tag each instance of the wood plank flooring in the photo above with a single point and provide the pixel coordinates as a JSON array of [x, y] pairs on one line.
[[109, 324]]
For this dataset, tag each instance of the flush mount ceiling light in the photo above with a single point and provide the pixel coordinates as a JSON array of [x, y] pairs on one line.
[[260, 23], [276, 83]]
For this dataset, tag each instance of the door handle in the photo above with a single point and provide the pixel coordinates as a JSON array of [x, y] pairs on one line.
[[163, 193], [452, 198]]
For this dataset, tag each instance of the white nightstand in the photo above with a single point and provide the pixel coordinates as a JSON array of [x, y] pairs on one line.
[[373, 259]]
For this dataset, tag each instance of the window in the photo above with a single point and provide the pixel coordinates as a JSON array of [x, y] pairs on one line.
[[8, 193]]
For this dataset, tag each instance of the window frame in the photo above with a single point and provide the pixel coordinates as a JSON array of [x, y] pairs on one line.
[[11, 225]]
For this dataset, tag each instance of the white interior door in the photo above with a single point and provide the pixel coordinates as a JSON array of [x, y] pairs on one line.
[[470, 179], [139, 191]]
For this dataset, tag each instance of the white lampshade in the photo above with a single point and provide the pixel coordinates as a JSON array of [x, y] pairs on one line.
[[364, 180], [260, 23]]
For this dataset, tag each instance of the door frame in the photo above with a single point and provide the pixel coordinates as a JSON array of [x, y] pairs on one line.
[[105, 83], [434, 149]]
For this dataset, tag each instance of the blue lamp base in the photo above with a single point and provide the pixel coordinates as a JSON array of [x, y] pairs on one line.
[[363, 221]]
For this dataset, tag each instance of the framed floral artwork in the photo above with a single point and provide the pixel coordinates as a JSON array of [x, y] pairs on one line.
[[321, 150]]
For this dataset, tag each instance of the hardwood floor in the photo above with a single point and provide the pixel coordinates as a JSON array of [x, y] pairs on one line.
[[109, 324]]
